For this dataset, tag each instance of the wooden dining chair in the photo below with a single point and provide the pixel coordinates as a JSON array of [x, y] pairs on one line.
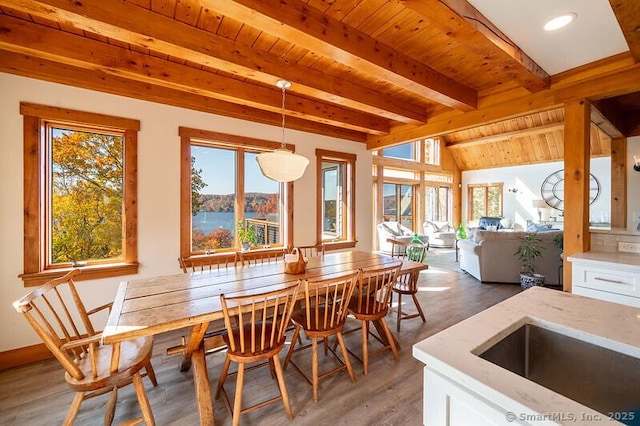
[[58, 316], [261, 256], [312, 251], [323, 314], [407, 284], [255, 331], [210, 262], [370, 303]]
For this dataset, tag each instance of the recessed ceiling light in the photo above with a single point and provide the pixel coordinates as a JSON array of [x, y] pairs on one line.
[[560, 21]]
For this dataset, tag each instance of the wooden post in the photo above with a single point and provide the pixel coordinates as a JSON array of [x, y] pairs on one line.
[[577, 155], [619, 183]]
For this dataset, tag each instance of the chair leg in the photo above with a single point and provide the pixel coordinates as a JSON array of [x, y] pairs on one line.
[[399, 312], [110, 409], [415, 300], [223, 375], [72, 413], [296, 336], [283, 386], [392, 342], [365, 348], [237, 402], [345, 355], [143, 400], [314, 368], [151, 374]]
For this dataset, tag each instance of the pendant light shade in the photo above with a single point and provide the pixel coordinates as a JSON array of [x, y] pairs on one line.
[[282, 165]]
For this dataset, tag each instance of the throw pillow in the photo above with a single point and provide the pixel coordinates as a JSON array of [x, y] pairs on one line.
[[441, 226], [391, 230]]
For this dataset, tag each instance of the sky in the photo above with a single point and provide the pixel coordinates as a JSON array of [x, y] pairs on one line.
[[218, 171]]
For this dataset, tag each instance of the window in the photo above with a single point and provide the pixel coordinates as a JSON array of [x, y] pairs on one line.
[[398, 203], [80, 193], [484, 200], [336, 198], [222, 187], [405, 151], [432, 151], [438, 207]]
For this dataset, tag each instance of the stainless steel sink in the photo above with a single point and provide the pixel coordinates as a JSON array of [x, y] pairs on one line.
[[600, 378]]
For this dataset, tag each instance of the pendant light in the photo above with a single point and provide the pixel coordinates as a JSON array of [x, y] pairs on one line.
[[282, 165]]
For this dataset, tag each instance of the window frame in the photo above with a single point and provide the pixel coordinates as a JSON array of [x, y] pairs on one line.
[[348, 197], [486, 186], [188, 136], [35, 120]]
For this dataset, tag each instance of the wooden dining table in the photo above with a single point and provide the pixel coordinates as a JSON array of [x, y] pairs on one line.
[[150, 306]]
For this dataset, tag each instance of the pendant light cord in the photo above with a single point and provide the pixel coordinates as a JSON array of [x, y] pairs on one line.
[[283, 95]]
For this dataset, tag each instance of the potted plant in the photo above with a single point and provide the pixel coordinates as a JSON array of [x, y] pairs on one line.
[[246, 234], [461, 232], [558, 241], [527, 254]]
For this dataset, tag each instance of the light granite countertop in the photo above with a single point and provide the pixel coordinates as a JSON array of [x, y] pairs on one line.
[[610, 259], [452, 352]]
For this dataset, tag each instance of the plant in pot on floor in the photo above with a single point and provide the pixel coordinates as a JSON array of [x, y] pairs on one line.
[[246, 235], [527, 254], [558, 241]]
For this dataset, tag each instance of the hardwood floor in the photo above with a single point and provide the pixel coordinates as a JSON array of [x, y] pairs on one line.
[[390, 395]]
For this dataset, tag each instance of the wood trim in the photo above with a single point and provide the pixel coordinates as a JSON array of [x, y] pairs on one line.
[[349, 160], [188, 136], [88, 273], [577, 238], [231, 139], [22, 356], [619, 183], [75, 116], [34, 264]]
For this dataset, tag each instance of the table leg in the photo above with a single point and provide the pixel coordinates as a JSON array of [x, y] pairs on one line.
[[195, 343], [203, 388]]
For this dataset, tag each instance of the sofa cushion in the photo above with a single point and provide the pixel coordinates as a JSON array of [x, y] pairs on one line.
[[539, 227]]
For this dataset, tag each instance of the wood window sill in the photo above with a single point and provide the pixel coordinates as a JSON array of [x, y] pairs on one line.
[[88, 273]]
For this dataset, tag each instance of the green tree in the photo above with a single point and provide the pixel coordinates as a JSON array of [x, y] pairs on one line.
[[197, 184], [86, 198]]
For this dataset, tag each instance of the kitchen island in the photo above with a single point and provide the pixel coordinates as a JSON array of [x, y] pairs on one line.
[[529, 359]]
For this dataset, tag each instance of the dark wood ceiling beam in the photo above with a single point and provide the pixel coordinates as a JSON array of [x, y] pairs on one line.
[[33, 39], [141, 27], [609, 117], [42, 69], [628, 15], [464, 23], [308, 27]]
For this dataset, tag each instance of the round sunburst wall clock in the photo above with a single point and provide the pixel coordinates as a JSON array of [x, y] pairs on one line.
[[552, 189]]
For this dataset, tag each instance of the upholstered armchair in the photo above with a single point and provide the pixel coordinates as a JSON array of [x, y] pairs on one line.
[[440, 234], [396, 231]]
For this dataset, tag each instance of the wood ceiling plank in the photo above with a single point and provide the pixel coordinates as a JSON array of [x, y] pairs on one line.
[[609, 117], [140, 27], [188, 11], [164, 7], [25, 37], [43, 69], [209, 20], [478, 34], [628, 15], [308, 27], [508, 135]]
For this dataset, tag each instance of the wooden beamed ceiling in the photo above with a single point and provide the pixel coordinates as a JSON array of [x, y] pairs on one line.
[[379, 72]]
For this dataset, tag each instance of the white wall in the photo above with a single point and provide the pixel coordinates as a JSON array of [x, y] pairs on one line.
[[528, 181], [158, 187]]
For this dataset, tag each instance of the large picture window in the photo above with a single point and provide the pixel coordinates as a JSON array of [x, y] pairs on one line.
[[80, 190], [222, 189], [336, 199]]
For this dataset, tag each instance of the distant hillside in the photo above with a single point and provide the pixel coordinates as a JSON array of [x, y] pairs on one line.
[[225, 203]]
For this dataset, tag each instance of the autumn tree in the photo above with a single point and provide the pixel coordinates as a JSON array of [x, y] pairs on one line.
[[197, 184], [86, 198]]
